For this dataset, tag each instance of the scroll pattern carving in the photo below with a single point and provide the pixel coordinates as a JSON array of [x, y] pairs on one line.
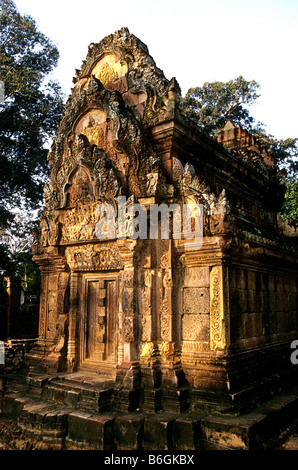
[[146, 303], [128, 306], [43, 306], [166, 298], [219, 309]]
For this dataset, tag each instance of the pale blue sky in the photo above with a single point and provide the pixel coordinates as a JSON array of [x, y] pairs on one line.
[[194, 40]]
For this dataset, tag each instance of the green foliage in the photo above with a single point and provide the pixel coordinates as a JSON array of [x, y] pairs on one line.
[[290, 204], [284, 151], [29, 115], [27, 271]]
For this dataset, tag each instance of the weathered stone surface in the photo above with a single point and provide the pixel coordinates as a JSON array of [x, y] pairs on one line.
[[196, 300], [158, 433], [197, 277], [97, 430], [129, 431], [44, 426], [196, 327], [186, 433]]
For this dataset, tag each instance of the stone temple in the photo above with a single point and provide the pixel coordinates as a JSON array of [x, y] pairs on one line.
[[142, 326]]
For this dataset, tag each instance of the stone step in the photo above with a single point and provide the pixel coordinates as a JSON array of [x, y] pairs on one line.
[[259, 429], [79, 393], [14, 382], [50, 425], [45, 424], [106, 370]]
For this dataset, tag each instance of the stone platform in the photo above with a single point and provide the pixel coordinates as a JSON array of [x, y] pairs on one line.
[[79, 412]]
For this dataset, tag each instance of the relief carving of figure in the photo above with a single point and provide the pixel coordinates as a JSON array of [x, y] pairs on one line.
[[44, 232]]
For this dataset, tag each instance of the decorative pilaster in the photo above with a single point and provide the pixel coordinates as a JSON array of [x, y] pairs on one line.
[[127, 313], [50, 351], [72, 350], [166, 327], [219, 308], [43, 306], [54, 281]]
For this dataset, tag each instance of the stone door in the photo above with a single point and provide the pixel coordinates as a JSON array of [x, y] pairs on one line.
[[99, 320]]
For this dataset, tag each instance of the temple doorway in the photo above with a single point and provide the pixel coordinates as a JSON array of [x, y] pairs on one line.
[[99, 320]]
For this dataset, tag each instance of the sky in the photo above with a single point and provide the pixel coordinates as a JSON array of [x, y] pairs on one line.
[[196, 41]]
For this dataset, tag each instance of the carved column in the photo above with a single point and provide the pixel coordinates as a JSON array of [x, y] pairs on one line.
[[52, 318], [128, 372], [145, 296], [127, 303], [128, 314], [52, 290], [43, 306], [166, 326], [73, 346], [219, 308], [147, 277]]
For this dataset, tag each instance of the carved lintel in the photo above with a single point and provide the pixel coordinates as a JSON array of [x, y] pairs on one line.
[[219, 309], [93, 257], [72, 351]]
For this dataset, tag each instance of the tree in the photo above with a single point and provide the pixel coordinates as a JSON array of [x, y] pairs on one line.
[[290, 204], [284, 151], [211, 105], [29, 113], [214, 103]]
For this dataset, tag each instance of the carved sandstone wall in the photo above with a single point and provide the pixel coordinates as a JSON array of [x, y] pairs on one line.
[[159, 311]]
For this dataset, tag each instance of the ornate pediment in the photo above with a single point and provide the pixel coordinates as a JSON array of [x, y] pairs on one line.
[[104, 148], [117, 91]]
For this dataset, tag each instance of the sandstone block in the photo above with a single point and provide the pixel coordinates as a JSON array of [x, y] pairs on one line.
[[129, 432], [94, 429], [158, 433], [196, 300], [197, 277]]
